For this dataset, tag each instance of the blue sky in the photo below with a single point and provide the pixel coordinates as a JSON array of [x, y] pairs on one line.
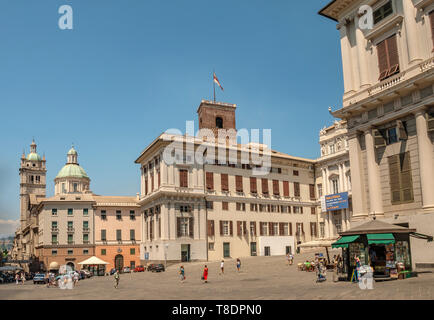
[[129, 70]]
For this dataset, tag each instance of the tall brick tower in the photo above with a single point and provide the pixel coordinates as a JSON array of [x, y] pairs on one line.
[[216, 116], [32, 181]]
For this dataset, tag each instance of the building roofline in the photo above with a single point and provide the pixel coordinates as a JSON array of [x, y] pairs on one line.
[[321, 12]]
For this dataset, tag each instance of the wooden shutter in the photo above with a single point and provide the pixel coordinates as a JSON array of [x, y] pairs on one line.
[[183, 178], [191, 227], [285, 188], [152, 182], [253, 186], [224, 182], [264, 186], [312, 210], [239, 228], [146, 186], [406, 180], [178, 227], [271, 229], [290, 229], [394, 179], [239, 183], [289, 209], [210, 181], [301, 209], [392, 48], [379, 138], [302, 227], [431, 18], [221, 228], [281, 229], [245, 227], [159, 178], [276, 187], [312, 225], [383, 64], [261, 228], [401, 130], [231, 228], [296, 189], [312, 191], [225, 205]]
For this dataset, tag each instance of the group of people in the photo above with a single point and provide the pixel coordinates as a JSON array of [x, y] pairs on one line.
[[65, 281], [204, 277]]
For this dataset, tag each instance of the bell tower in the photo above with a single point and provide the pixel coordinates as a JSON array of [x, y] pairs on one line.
[[217, 116], [32, 181]]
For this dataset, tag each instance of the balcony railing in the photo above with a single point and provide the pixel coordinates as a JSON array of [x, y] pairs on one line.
[[70, 241], [86, 241], [54, 229], [54, 242], [86, 230], [70, 229]]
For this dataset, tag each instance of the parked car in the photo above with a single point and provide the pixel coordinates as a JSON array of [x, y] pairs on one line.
[[7, 278], [126, 270], [87, 273], [29, 276], [156, 267], [139, 269], [82, 275], [40, 278]]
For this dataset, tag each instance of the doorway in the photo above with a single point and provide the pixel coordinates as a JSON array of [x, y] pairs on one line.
[[226, 250], [288, 250], [253, 249], [70, 265], [185, 252], [119, 262], [267, 251]]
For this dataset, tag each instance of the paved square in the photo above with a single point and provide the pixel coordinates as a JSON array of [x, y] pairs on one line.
[[260, 278]]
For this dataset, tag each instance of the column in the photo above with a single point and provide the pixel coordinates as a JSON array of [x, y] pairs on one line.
[[344, 178], [375, 197], [327, 182], [346, 60], [196, 221], [358, 189], [326, 225], [426, 162], [172, 223], [324, 182], [330, 218], [361, 53], [411, 32], [164, 216], [163, 170], [341, 178]]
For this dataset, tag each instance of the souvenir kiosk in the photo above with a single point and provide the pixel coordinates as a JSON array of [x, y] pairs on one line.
[[383, 246]]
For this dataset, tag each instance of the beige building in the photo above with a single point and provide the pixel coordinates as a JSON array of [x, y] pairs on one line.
[[388, 105], [220, 209]]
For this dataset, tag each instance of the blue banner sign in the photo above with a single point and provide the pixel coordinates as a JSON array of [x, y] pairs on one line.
[[336, 201]]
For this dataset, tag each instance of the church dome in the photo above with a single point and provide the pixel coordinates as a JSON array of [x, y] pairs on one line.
[[72, 170], [72, 151], [33, 156]]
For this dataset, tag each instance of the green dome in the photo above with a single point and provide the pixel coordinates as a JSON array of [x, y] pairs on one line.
[[32, 156], [72, 170]]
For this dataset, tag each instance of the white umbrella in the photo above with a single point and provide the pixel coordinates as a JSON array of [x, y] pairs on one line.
[[93, 261]]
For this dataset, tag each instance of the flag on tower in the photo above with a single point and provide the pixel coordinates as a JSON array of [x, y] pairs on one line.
[[218, 82]]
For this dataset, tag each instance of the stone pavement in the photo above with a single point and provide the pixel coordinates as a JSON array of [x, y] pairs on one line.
[[260, 278]]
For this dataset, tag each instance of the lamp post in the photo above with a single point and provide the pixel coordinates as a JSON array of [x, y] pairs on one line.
[[166, 246]]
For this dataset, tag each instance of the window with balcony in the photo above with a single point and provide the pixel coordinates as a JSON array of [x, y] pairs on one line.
[[103, 235], [132, 234], [54, 226], [85, 211], [54, 212], [383, 12], [70, 226], [54, 239], [119, 235], [388, 58], [85, 238], [70, 238]]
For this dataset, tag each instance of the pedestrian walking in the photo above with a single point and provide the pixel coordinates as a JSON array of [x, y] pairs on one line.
[[291, 259], [17, 278], [238, 264], [222, 267], [182, 273], [23, 278], [75, 278], [205, 274], [288, 259], [116, 278]]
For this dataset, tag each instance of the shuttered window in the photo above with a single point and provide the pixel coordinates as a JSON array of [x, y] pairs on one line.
[[313, 231], [159, 178], [152, 182], [431, 18], [401, 184], [290, 229], [190, 227], [210, 181], [221, 228], [276, 187], [270, 227], [388, 57], [253, 228], [151, 229], [296, 189], [146, 186], [103, 235], [285, 188], [211, 230], [312, 191], [231, 228], [224, 182], [281, 229], [239, 228], [183, 178], [312, 210], [239, 183], [225, 206], [245, 228], [264, 186], [253, 186]]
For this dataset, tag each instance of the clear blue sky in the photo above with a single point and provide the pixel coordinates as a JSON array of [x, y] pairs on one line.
[[129, 70]]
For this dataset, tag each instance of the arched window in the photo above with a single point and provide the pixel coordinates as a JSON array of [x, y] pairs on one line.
[[219, 123]]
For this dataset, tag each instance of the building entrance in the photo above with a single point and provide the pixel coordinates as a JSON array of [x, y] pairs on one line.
[[226, 250], [185, 252], [119, 262]]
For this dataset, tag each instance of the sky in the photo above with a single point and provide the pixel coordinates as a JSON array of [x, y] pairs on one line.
[[129, 70]]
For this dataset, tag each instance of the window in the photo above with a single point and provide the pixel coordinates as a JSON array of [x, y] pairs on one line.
[[388, 58], [85, 238], [186, 208], [118, 215], [253, 228], [132, 234], [296, 189], [85, 211], [70, 226], [132, 215], [253, 185], [285, 229], [312, 210], [254, 207], [70, 238], [264, 186], [224, 182], [431, 17], [85, 251], [119, 235], [209, 205], [401, 184], [185, 227], [241, 206], [285, 188], [275, 229], [312, 191], [54, 212], [211, 246], [391, 136], [85, 225], [383, 12], [103, 215], [225, 206], [132, 251], [53, 225], [183, 178], [63, 188], [225, 228], [295, 172], [54, 239], [211, 230], [70, 212], [322, 229], [284, 209], [219, 122], [276, 191], [103, 235], [319, 190], [299, 229], [210, 181], [70, 252], [313, 232], [239, 183], [103, 252], [264, 229], [146, 185], [54, 252], [335, 185]]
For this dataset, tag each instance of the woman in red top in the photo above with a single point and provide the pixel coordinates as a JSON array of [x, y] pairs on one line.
[[205, 274]]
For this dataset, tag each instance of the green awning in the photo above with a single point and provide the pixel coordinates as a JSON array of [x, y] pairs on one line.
[[381, 238], [344, 241]]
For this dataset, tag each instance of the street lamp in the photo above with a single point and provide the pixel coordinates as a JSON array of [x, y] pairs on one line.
[[166, 246]]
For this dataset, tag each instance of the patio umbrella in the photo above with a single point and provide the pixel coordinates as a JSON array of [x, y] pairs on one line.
[[93, 261]]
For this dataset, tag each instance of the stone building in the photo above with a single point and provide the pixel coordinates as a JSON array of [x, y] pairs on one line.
[[219, 209], [388, 106]]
